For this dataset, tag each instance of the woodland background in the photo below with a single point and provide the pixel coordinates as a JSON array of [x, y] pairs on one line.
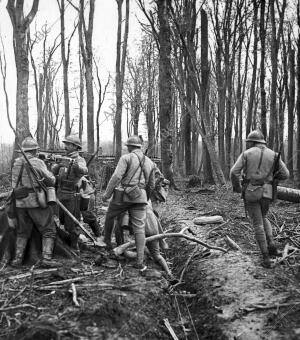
[[201, 76]]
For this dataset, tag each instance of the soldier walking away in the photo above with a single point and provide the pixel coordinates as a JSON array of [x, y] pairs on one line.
[[29, 213], [261, 167], [68, 175], [130, 185]]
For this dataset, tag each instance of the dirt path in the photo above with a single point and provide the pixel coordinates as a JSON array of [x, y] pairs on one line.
[[223, 296], [243, 293]]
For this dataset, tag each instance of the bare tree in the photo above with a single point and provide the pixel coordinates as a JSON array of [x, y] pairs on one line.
[[120, 73], [21, 25], [40, 81], [276, 34], [101, 98], [65, 56]]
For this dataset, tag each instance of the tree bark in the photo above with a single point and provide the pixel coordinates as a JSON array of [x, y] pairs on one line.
[[120, 73], [262, 33], [20, 41], [85, 39], [65, 63], [165, 88]]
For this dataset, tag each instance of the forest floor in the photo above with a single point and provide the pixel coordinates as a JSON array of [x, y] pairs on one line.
[[222, 295]]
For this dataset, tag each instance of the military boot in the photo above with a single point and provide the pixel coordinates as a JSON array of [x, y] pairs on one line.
[[48, 245], [273, 251], [21, 243], [95, 228], [74, 243], [5, 259], [266, 261]]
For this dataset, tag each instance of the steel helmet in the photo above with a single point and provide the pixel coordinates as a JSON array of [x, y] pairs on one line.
[[29, 144], [134, 141], [256, 136], [73, 139]]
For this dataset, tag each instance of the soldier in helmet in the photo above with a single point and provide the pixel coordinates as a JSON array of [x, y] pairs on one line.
[[28, 211], [68, 176], [257, 165], [133, 175]]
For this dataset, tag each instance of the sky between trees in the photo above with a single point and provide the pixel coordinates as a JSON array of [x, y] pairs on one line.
[[104, 43]]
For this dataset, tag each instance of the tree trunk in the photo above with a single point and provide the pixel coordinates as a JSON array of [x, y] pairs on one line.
[[291, 106], [254, 69], [262, 69], [65, 63], [86, 46], [21, 46], [205, 71], [120, 73], [165, 89], [298, 94]]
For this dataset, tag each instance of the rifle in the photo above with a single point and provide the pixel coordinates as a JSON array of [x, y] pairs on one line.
[[44, 187], [91, 158], [275, 171]]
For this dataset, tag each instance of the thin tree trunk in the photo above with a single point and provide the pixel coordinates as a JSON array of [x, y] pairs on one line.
[[20, 40], [120, 73], [262, 69]]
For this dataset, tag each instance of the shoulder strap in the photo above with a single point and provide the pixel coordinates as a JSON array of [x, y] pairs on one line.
[[273, 165], [245, 164], [135, 169], [19, 180], [261, 157], [30, 177]]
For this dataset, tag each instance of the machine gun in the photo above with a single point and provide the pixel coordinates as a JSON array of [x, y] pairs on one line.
[[52, 158]]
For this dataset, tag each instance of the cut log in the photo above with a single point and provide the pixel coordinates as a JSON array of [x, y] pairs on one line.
[[208, 220], [288, 194]]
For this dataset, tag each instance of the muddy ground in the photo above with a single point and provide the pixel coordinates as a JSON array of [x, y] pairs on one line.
[[222, 295]]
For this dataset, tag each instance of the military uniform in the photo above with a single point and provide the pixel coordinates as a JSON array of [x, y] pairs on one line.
[[28, 211], [68, 177], [257, 166], [133, 169]]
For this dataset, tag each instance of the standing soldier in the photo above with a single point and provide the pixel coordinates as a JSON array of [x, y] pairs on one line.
[[133, 175], [261, 168], [28, 211], [68, 175]]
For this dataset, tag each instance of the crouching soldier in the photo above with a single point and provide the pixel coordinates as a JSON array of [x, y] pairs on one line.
[[68, 173], [29, 213], [260, 167]]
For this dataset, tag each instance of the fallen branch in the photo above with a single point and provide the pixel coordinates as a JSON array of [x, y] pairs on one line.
[[74, 295], [170, 329], [186, 265], [120, 250], [84, 285], [25, 305], [254, 307], [232, 244], [35, 272], [75, 279]]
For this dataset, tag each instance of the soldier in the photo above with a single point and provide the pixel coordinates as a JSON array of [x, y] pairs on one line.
[[90, 217], [68, 175], [259, 169], [133, 175], [28, 210]]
